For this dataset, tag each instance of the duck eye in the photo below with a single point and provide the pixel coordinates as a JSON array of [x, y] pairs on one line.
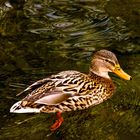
[[109, 61]]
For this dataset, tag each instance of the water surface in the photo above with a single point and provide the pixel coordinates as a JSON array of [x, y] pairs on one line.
[[38, 39]]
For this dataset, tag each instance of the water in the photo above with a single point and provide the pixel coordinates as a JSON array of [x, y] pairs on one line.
[[47, 37]]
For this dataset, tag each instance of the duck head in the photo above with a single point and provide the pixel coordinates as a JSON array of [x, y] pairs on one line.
[[105, 61]]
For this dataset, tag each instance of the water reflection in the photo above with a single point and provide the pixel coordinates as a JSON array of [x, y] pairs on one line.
[[39, 39]]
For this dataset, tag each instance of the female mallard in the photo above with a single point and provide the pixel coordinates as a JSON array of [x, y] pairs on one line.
[[72, 90]]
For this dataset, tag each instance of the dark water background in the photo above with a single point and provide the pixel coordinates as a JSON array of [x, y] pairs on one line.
[[42, 37]]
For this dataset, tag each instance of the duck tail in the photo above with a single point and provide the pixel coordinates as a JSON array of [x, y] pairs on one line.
[[18, 108]]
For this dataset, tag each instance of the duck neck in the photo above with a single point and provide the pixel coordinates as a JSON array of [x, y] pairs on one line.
[[99, 73], [98, 68]]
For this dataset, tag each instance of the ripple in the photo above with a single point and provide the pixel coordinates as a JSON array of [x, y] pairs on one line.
[[63, 24]]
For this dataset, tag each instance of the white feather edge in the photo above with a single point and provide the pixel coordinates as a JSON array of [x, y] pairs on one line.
[[14, 109]]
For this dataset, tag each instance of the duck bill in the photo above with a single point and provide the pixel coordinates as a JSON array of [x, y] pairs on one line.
[[122, 74]]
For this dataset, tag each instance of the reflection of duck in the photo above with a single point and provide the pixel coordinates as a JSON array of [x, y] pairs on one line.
[[72, 90]]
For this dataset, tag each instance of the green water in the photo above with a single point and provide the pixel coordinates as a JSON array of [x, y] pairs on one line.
[[40, 38]]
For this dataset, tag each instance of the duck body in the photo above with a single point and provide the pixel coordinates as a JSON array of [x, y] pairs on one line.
[[65, 91], [72, 90]]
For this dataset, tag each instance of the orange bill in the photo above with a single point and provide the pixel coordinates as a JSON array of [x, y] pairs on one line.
[[121, 73]]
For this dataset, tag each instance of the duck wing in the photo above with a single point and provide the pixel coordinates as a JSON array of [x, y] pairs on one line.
[[54, 89], [34, 86]]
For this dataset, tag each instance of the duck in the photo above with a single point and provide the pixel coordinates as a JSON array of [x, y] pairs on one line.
[[72, 90]]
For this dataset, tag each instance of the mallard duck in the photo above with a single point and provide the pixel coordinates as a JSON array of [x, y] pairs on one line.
[[72, 90]]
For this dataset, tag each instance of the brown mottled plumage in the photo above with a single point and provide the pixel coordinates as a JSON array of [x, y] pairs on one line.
[[73, 90], [91, 92]]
